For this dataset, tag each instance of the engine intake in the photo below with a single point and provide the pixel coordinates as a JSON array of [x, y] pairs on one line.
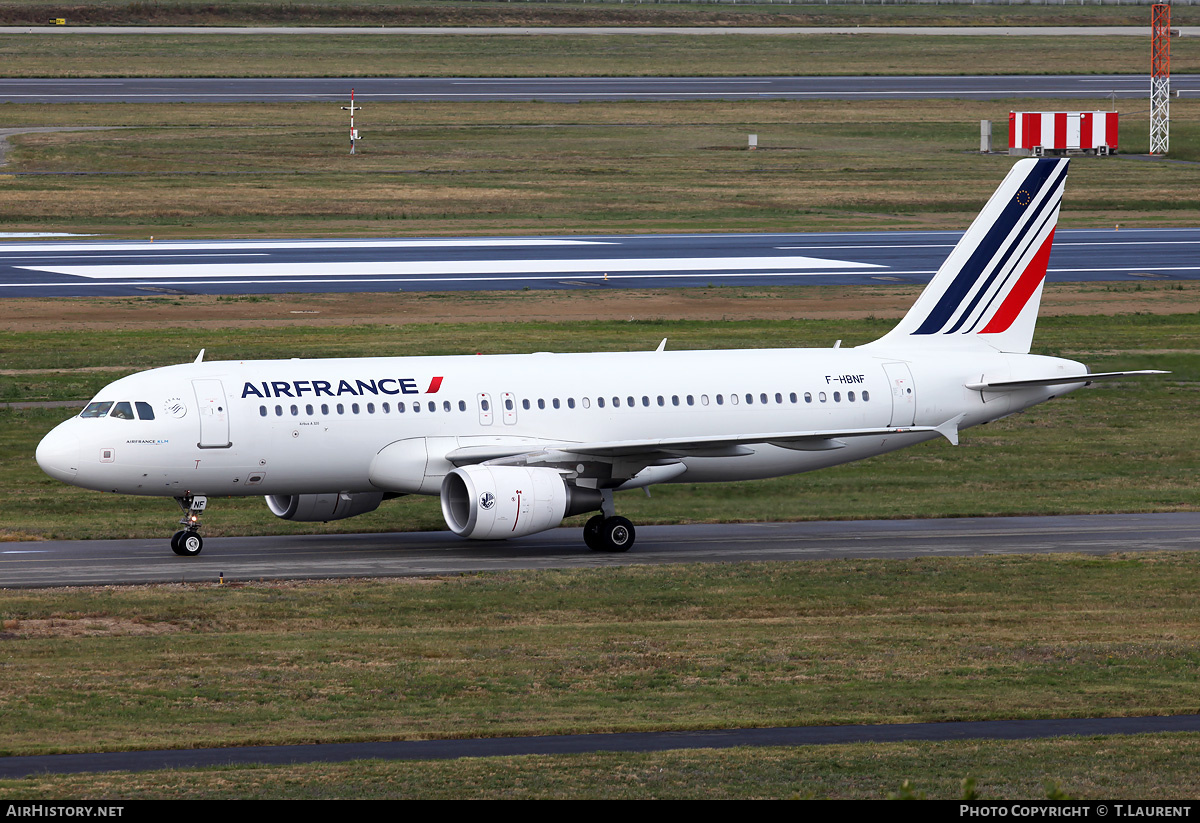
[[311, 507], [497, 502]]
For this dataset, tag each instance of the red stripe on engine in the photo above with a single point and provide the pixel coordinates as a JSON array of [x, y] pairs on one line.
[[1025, 286]]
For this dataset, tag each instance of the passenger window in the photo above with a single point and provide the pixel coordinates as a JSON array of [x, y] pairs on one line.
[[96, 409], [850, 396], [821, 396], [616, 402], [570, 402], [587, 403], [525, 404], [432, 406], [445, 405], [400, 408], [354, 408], [324, 408], [749, 400], [340, 408], [808, 397], [837, 397], [279, 411], [370, 408], [600, 402], [122, 411], [541, 403], [555, 403], [295, 411], [866, 396], [462, 405], [308, 410], [386, 408], [262, 411], [144, 410]]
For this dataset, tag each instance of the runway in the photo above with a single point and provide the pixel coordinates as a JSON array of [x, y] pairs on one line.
[[14, 768], [79, 268], [578, 89], [116, 562]]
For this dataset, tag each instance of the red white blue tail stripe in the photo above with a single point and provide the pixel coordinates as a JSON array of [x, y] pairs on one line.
[[989, 288]]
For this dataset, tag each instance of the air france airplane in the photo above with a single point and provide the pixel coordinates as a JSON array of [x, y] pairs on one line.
[[513, 444]]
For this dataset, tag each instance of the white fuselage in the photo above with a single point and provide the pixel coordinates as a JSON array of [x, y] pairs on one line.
[[315, 426]]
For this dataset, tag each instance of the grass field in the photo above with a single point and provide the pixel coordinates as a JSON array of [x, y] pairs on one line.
[[683, 647], [536, 168], [83, 55], [604, 12]]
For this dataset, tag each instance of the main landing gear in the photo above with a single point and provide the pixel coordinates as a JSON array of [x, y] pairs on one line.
[[187, 543], [606, 532]]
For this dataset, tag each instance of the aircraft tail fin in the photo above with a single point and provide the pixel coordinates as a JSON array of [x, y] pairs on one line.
[[987, 292]]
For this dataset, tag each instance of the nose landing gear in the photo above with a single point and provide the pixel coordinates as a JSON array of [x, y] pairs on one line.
[[188, 543]]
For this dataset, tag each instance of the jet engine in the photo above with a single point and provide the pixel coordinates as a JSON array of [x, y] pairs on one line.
[[496, 502], [335, 506]]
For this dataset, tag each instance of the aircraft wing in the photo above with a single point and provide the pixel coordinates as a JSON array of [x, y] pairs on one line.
[[628, 458]]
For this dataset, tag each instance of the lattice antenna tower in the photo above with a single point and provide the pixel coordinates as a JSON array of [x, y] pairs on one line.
[[1160, 78]]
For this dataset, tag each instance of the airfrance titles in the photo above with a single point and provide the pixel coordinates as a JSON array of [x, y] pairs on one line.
[[342, 388]]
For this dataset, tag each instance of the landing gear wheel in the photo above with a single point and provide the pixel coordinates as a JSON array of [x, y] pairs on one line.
[[591, 532], [609, 534], [617, 534], [186, 544]]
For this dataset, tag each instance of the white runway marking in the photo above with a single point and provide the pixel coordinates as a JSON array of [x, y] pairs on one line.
[[495, 269]]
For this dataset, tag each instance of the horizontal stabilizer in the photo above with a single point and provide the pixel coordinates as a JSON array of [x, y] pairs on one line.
[[1062, 380]]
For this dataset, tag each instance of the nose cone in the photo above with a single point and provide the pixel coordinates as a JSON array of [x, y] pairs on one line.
[[58, 454]]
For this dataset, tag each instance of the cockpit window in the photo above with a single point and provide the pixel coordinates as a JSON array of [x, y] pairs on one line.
[[122, 411], [97, 409], [144, 410]]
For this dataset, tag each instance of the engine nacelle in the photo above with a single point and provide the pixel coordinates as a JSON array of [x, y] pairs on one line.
[[496, 502], [309, 507]]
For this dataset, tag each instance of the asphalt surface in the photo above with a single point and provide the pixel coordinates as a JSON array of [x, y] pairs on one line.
[[576, 89], [233, 559], [534, 31], [18, 767], [46, 268]]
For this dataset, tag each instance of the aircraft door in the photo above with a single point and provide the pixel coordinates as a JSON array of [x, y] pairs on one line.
[[214, 414], [904, 399]]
